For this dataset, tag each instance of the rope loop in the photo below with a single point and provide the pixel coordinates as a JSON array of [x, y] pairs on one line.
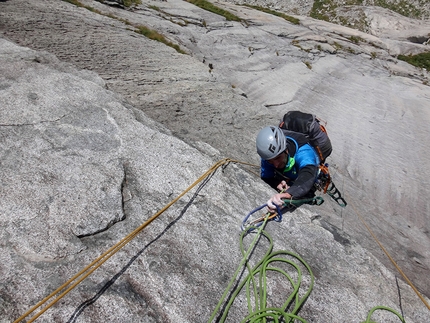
[[368, 319], [255, 283]]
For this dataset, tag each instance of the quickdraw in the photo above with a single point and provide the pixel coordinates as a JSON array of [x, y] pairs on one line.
[[325, 184], [251, 224], [334, 193]]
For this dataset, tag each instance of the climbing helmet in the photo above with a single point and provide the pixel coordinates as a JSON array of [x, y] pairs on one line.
[[271, 142]]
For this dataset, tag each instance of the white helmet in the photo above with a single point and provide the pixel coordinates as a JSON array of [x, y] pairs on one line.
[[271, 142]]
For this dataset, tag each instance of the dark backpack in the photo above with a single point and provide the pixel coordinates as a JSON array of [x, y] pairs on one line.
[[309, 125]]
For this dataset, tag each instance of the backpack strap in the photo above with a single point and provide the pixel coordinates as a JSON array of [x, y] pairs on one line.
[[295, 142], [319, 152]]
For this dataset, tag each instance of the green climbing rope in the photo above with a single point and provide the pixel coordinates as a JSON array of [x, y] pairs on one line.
[[256, 293], [384, 308]]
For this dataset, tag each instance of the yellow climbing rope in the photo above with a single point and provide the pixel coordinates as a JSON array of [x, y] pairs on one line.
[[89, 269], [391, 258], [64, 289]]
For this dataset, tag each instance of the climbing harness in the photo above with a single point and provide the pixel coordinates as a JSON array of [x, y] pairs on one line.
[[323, 178]]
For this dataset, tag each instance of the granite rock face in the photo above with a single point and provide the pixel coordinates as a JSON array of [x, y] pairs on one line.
[[98, 138], [352, 13]]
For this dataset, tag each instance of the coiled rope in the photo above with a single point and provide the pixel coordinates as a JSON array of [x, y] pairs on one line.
[[260, 313], [64, 289], [89, 269], [258, 292]]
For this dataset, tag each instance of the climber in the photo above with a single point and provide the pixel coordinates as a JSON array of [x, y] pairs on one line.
[[289, 164]]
